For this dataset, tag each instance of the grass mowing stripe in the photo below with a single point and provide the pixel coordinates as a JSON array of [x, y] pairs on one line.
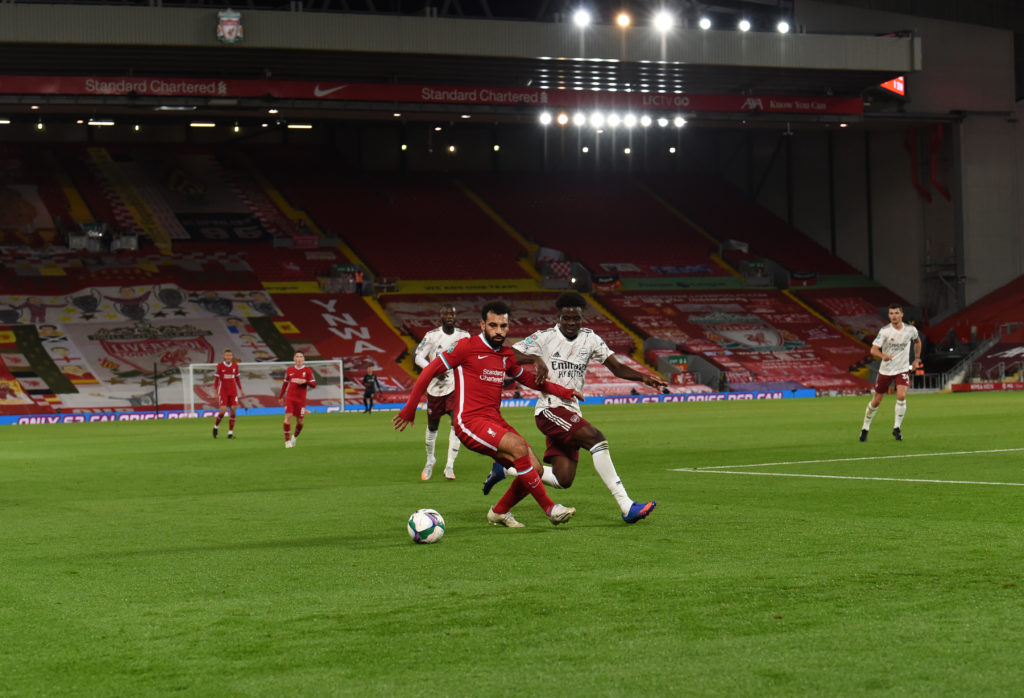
[[847, 460], [711, 471]]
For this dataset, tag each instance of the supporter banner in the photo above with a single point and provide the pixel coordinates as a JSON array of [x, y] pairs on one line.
[[437, 94], [223, 227], [277, 287], [468, 286], [985, 387], [670, 283]]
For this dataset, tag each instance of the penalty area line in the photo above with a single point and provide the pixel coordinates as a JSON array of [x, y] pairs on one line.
[[849, 460], [848, 477]]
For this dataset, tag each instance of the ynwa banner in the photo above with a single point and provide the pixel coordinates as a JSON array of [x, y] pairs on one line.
[[429, 94]]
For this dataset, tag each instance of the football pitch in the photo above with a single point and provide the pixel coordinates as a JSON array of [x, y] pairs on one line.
[[784, 558]]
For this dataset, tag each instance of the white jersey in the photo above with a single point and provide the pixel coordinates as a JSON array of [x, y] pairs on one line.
[[896, 343], [433, 343], [567, 361]]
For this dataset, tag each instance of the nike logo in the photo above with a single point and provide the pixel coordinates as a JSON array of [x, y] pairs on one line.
[[317, 92], [482, 356]]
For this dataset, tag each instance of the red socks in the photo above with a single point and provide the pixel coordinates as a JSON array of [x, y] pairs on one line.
[[524, 484], [298, 428], [287, 431]]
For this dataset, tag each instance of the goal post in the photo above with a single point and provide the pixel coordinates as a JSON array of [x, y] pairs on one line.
[[261, 385]]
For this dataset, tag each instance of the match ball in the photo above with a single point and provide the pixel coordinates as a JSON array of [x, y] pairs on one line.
[[425, 526]]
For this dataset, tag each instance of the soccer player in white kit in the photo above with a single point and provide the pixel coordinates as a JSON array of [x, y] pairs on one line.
[[892, 346], [567, 349], [439, 392]]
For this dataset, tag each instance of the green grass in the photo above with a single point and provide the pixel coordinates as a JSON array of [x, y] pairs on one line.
[[147, 559]]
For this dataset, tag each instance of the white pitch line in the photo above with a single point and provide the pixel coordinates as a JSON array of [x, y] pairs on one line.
[[847, 460], [849, 477]]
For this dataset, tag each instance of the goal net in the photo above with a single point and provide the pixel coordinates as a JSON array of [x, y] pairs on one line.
[[261, 384]]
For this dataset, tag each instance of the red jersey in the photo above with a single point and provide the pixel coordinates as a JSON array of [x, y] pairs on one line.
[[479, 373], [295, 392], [228, 380]]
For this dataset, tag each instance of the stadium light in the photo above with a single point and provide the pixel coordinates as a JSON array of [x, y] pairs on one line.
[[136, 128], [662, 121], [579, 118], [672, 150], [404, 147], [397, 115], [663, 21], [613, 120], [202, 124], [497, 148], [782, 27], [451, 149], [585, 149], [581, 18], [34, 107], [597, 119], [744, 25], [562, 119], [623, 20], [40, 126], [300, 127], [629, 121], [272, 111], [236, 128], [94, 122], [545, 118], [627, 151], [704, 23], [679, 122], [645, 121], [5, 122]]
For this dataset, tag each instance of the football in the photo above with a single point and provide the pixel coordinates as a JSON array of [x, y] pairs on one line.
[[425, 526]]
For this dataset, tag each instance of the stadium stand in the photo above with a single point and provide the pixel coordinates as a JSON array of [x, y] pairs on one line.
[[727, 213], [755, 337], [609, 224], [1004, 361], [395, 222]]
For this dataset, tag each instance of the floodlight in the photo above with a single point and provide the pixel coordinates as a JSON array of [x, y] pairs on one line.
[[662, 121], [562, 119], [704, 23], [545, 118], [622, 20], [581, 18], [672, 150], [626, 151], [744, 25], [679, 122], [585, 149], [645, 121], [497, 148], [597, 119], [579, 118], [663, 21], [613, 120], [783, 26], [629, 121]]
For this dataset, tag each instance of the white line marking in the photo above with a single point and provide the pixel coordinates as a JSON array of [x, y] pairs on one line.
[[849, 477], [847, 460]]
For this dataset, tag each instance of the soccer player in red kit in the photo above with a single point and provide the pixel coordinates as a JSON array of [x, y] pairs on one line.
[[480, 365], [228, 384], [297, 380]]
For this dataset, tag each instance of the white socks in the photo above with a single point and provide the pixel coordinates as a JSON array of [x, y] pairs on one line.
[[606, 469], [869, 414], [453, 448], [549, 479], [901, 409], [430, 440]]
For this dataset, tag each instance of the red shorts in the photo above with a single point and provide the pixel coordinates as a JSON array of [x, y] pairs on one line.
[[293, 407], [228, 400], [883, 382], [559, 424], [437, 406], [482, 434]]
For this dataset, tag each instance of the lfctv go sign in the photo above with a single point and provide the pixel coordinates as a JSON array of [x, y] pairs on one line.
[[654, 100]]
